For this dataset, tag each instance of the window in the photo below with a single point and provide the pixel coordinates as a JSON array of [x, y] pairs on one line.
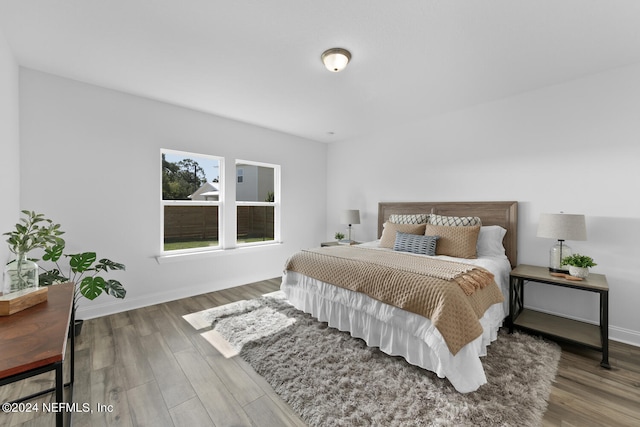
[[257, 202], [192, 200]]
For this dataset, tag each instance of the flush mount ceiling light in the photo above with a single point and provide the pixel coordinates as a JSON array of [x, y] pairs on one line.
[[336, 59]]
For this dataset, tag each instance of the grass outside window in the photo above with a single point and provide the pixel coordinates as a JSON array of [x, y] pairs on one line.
[[196, 244]]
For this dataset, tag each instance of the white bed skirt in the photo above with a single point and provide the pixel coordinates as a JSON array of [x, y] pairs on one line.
[[396, 332]]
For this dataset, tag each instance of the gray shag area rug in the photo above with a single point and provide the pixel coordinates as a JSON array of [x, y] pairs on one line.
[[332, 379]]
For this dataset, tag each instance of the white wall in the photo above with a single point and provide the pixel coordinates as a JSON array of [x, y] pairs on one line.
[[9, 145], [573, 147], [91, 161]]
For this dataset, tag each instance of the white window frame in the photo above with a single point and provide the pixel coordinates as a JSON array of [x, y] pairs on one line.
[[276, 203], [219, 203]]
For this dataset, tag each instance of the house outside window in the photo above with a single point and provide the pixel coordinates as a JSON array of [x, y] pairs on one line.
[[191, 202], [257, 202]]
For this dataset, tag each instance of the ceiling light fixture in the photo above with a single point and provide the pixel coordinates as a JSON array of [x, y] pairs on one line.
[[336, 59]]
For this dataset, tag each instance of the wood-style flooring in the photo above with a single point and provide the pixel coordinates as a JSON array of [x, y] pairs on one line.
[[149, 367]]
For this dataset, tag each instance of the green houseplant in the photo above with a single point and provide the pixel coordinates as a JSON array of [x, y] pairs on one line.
[[34, 231], [339, 236], [579, 264], [85, 270]]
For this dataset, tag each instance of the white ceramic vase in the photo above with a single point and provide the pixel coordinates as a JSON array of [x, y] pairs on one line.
[[581, 272]]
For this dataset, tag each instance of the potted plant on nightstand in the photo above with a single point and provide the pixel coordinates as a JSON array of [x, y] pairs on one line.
[[579, 265]]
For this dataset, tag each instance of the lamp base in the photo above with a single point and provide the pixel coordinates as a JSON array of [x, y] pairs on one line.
[[557, 253]]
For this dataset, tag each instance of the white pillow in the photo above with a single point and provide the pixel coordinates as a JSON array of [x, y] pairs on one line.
[[490, 241]]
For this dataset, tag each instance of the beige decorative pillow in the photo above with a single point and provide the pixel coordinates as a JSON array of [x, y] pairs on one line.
[[459, 242], [389, 232]]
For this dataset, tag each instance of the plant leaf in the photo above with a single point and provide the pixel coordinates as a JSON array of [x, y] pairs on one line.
[[82, 262], [92, 287], [106, 265], [53, 253], [115, 289], [51, 277]]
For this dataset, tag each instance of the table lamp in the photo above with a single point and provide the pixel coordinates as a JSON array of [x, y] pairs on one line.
[[562, 227], [350, 216]]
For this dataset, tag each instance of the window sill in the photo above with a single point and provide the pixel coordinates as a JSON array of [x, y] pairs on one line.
[[194, 256]]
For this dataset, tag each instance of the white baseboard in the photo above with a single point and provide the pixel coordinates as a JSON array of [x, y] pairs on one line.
[[623, 335], [113, 306]]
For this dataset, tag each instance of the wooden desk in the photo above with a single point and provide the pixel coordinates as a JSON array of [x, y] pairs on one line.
[[34, 341]]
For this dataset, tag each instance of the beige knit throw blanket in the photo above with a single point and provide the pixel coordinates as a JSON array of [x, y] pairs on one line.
[[454, 296]]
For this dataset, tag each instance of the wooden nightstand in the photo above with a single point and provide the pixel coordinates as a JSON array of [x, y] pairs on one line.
[[588, 335]]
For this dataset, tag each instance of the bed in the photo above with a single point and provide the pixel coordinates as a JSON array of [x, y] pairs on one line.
[[331, 288]]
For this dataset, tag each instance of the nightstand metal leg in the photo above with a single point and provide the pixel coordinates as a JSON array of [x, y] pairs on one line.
[[604, 328], [516, 300]]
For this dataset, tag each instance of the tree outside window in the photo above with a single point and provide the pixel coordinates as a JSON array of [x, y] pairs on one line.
[[191, 201]]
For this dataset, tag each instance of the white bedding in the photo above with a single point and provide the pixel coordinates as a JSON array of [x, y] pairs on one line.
[[398, 332]]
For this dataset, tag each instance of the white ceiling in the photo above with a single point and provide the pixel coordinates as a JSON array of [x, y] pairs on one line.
[[259, 61]]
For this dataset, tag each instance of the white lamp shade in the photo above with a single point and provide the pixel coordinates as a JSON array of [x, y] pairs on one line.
[[336, 59], [350, 216], [562, 226]]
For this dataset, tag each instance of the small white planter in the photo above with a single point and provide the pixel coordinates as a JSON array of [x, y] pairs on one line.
[[582, 272]]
